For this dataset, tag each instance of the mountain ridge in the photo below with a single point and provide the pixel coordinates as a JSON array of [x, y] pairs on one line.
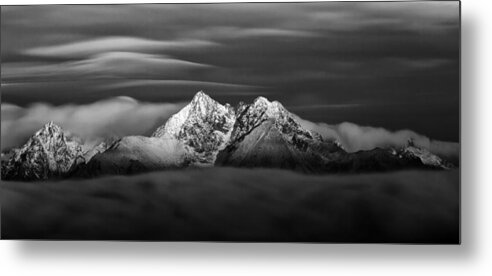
[[207, 133]]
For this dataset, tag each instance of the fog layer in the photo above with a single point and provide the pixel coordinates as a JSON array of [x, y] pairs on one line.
[[223, 204]]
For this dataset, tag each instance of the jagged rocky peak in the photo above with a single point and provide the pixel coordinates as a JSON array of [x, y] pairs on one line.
[[201, 106], [272, 106], [266, 134], [202, 103], [266, 108], [426, 157], [49, 152], [250, 116], [49, 129], [261, 110], [204, 126], [50, 136]]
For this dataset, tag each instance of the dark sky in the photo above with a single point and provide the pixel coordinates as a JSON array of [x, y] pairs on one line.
[[393, 65]]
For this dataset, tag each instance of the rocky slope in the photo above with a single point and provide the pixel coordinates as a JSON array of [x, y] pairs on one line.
[[206, 133], [267, 135], [424, 156], [48, 153], [135, 154], [204, 126]]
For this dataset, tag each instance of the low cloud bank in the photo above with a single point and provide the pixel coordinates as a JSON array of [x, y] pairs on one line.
[[354, 138], [226, 204], [118, 116]]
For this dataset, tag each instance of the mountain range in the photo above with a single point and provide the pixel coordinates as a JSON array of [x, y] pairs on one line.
[[206, 133]]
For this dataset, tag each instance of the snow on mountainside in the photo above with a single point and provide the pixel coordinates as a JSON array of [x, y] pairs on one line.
[[266, 146], [135, 154], [267, 135], [206, 133], [101, 147], [204, 126], [426, 157], [48, 153], [251, 116]]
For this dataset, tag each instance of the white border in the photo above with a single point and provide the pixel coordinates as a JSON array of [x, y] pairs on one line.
[[473, 257]]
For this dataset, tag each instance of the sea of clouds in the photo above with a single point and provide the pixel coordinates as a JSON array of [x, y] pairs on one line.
[[236, 204]]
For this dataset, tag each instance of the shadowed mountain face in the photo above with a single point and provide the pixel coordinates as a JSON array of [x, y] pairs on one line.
[[267, 135], [262, 147], [206, 133]]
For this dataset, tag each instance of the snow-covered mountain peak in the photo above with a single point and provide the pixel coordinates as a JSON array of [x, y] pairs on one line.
[[425, 156], [261, 101], [49, 129], [204, 126], [270, 109], [202, 103], [50, 136], [261, 110], [202, 107], [204, 133], [47, 153], [201, 96]]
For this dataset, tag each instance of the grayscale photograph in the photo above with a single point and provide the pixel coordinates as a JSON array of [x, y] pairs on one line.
[[312, 122]]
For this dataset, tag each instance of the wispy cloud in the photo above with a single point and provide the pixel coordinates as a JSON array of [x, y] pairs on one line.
[[205, 84], [310, 55], [418, 17], [235, 32], [421, 63], [107, 64], [134, 65], [323, 106], [114, 44]]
